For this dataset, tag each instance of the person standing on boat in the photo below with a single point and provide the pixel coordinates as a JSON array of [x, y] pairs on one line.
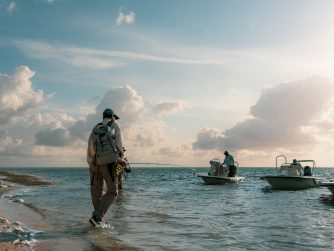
[[104, 157], [229, 162]]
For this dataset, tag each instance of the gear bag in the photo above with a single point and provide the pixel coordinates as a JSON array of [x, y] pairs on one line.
[[105, 145]]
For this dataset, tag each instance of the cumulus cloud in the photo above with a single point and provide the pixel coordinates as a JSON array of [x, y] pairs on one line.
[[325, 122], [125, 18], [175, 151], [297, 102], [184, 154], [208, 138], [33, 128], [10, 146], [54, 137], [128, 105], [125, 102], [168, 107], [22, 115], [17, 95], [277, 119], [145, 134], [26, 129]]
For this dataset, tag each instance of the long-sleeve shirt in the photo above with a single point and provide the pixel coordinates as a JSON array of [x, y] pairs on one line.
[[229, 160]]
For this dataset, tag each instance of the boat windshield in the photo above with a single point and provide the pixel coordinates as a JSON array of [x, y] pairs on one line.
[[296, 167]]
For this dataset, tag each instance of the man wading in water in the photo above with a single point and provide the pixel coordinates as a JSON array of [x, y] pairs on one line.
[[105, 160]]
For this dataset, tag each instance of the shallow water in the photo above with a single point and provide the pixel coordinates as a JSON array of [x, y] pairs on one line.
[[171, 209]]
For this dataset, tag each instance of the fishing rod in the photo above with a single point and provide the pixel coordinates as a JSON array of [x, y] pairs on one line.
[[154, 163], [127, 167]]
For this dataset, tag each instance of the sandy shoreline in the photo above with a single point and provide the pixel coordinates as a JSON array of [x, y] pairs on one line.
[[19, 224]]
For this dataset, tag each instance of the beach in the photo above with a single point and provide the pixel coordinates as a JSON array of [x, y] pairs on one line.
[[19, 224]]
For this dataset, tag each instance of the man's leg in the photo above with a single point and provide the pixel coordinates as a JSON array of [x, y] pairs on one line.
[[108, 172], [96, 188], [232, 171]]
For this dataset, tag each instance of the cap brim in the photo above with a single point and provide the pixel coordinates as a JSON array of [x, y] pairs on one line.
[[116, 117]]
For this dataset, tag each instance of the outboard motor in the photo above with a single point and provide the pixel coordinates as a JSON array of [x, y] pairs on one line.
[[307, 171]]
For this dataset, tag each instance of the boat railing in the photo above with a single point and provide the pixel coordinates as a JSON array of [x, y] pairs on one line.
[[284, 164], [310, 160], [313, 168]]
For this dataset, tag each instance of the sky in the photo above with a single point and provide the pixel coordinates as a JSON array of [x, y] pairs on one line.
[[188, 79]]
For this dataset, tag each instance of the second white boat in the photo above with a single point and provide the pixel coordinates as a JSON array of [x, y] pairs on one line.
[[329, 185], [293, 175]]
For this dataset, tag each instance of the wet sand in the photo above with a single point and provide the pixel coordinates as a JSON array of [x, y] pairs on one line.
[[19, 224]]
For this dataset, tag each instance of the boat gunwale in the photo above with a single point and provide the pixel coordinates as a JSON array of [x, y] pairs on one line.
[[219, 177], [291, 177]]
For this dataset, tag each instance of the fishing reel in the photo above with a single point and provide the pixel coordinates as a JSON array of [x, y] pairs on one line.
[[122, 166], [125, 163], [127, 167]]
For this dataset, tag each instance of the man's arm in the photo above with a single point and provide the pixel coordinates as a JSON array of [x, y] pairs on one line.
[[91, 150], [118, 138]]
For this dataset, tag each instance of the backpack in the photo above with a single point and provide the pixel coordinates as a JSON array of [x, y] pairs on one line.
[[105, 145]]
